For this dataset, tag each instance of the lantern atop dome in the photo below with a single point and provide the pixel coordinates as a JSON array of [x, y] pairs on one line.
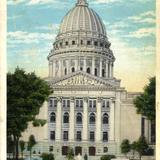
[[81, 3]]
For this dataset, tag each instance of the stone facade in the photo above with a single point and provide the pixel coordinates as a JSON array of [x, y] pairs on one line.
[[88, 110]]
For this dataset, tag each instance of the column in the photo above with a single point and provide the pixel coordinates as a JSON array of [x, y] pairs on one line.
[[93, 65], [76, 65], [85, 65], [100, 68], [59, 119], [85, 120], [106, 69], [110, 67], [68, 66], [53, 69], [71, 120], [60, 68], [98, 121], [112, 121]]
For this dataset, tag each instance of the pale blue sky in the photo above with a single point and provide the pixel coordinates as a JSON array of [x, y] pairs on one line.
[[130, 25]]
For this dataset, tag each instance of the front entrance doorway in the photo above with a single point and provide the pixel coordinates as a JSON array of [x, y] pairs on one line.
[[92, 151], [78, 150], [64, 150]]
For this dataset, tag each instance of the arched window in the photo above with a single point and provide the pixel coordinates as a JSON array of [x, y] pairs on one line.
[[88, 70], [81, 42], [66, 43], [95, 71], [65, 71], [73, 69], [79, 118], [103, 72], [81, 68], [52, 117], [105, 118], [66, 118], [92, 118]]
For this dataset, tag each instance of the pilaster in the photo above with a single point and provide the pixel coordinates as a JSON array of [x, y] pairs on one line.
[[59, 119], [98, 121], [85, 120], [71, 120]]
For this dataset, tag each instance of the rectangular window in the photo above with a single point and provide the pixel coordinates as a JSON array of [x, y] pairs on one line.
[[51, 148], [66, 103], [92, 103], [65, 135], [79, 103], [79, 136], [52, 135], [96, 43], [105, 136], [91, 136], [105, 103], [105, 149], [50, 103], [88, 42]]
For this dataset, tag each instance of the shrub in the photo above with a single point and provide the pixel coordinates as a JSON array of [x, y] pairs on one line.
[[108, 157], [47, 156]]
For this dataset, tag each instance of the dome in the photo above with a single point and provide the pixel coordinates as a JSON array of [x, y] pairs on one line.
[[82, 18]]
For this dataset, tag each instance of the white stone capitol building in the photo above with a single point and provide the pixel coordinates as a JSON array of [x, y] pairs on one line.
[[88, 110]]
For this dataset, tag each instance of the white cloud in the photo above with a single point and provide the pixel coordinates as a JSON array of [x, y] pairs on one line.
[[34, 2], [142, 32], [105, 1], [15, 2], [146, 17], [26, 37], [50, 27]]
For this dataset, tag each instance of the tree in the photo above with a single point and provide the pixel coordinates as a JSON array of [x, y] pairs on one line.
[[133, 147], [70, 154], [47, 156], [141, 146], [125, 147], [31, 143], [25, 95], [22, 146], [145, 103], [108, 157]]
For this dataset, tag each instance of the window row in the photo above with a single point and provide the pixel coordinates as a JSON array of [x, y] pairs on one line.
[[82, 42], [79, 103], [79, 118], [79, 136], [88, 70]]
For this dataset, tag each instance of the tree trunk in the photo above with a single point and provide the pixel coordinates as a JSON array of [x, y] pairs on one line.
[[16, 139], [22, 154]]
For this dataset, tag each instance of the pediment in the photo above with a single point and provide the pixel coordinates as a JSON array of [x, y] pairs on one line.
[[82, 80]]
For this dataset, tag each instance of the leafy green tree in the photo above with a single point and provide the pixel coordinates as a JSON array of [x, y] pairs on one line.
[[145, 103], [47, 156], [22, 147], [125, 147], [31, 143], [141, 146], [25, 95], [70, 154]]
